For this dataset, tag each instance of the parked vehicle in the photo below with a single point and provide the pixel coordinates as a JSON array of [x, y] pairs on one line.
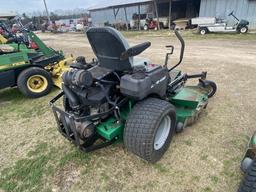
[[148, 21], [33, 70], [212, 24]]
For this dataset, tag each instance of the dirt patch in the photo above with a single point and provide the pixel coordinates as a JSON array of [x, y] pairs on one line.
[[65, 178]]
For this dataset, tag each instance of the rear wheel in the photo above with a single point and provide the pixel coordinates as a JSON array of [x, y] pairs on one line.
[[202, 31], [249, 182], [34, 82], [243, 30], [149, 129]]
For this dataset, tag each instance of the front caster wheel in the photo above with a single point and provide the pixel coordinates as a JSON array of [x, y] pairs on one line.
[[149, 129], [210, 86]]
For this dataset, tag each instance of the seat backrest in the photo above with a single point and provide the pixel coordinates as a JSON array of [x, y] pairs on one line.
[[108, 44]]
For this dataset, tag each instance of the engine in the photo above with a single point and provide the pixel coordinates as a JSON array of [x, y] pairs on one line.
[[87, 91]]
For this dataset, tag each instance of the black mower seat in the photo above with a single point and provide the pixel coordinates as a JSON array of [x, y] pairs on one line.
[[112, 49]]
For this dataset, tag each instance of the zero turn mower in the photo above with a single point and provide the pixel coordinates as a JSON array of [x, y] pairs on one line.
[[120, 97]]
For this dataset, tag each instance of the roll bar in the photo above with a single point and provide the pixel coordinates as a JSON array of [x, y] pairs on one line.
[[182, 42]]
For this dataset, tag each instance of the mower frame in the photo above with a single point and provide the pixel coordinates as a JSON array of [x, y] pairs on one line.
[[189, 102]]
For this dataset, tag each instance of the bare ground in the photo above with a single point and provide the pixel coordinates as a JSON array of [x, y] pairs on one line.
[[205, 157]]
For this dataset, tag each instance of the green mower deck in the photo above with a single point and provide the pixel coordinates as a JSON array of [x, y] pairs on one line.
[[189, 103]]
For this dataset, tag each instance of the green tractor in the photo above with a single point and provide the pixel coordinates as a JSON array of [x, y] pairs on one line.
[[33, 71], [120, 97]]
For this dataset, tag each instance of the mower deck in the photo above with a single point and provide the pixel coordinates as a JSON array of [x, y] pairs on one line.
[[189, 102]]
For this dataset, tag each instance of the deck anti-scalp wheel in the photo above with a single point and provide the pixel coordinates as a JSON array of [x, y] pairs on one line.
[[149, 128], [210, 86], [34, 82]]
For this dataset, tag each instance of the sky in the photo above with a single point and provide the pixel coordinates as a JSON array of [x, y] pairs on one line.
[[21, 6]]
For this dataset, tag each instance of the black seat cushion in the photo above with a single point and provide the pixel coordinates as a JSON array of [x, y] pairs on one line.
[[108, 44]]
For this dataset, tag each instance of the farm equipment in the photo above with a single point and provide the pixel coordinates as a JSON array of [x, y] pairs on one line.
[[148, 21], [248, 166], [150, 24], [119, 97], [33, 71], [212, 24]]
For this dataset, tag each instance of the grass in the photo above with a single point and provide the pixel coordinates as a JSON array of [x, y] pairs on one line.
[[192, 34], [29, 174], [205, 157], [161, 168]]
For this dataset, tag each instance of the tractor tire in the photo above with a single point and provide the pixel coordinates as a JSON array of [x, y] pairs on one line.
[[210, 85], [203, 30], [243, 30], [149, 128], [35, 82], [249, 182]]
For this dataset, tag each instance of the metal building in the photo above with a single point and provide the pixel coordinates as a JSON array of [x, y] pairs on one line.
[[243, 9], [118, 11], [114, 11]]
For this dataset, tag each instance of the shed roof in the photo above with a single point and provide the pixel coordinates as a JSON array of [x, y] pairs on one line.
[[7, 15], [115, 3]]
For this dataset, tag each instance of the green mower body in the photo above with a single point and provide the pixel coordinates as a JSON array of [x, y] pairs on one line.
[[18, 57], [189, 102], [118, 98]]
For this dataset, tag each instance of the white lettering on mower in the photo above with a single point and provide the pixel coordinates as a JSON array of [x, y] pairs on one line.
[[157, 82]]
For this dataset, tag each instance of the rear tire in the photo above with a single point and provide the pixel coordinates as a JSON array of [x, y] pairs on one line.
[[243, 30], [249, 182], [203, 30], [34, 82], [149, 129]]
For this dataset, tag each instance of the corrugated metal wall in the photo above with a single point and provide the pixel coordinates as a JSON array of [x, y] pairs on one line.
[[243, 9], [99, 17]]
